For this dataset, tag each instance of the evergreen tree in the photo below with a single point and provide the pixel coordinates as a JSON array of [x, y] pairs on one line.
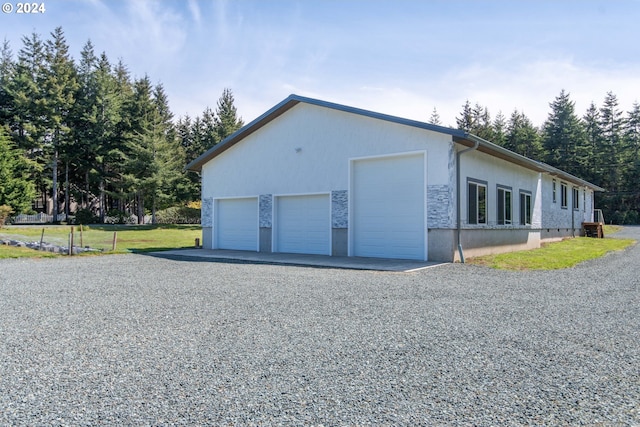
[[435, 118], [26, 113], [563, 137], [631, 135], [226, 120], [16, 187], [499, 130], [60, 86], [7, 74], [483, 126], [611, 123], [593, 142], [522, 137], [466, 121]]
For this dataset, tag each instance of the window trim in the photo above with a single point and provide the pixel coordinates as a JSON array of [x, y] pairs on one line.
[[477, 183], [502, 211], [575, 200], [564, 196], [526, 215], [555, 198]]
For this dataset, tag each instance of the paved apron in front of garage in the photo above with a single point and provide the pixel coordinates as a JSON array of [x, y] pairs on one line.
[[355, 263]]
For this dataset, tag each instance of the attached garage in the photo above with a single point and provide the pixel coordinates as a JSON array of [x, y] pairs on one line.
[[388, 207], [236, 224], [303, 224]]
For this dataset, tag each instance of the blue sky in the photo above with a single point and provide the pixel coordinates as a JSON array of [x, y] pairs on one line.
[[401, 57]]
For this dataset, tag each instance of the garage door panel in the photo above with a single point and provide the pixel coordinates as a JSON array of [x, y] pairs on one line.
[[389, 207], [303, 224], [237, 224]]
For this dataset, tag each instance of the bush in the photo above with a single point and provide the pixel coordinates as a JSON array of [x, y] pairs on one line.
[[5, 211], [178, 215], [86, 216]]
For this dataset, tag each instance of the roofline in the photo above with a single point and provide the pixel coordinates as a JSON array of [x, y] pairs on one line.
[[458, 135], [505, 154], [290, 102]]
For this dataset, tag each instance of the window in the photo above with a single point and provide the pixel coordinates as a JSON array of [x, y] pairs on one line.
[[525, 208], [477, 203], [504, 205], [554, 191], [576, 198], [563, 195]]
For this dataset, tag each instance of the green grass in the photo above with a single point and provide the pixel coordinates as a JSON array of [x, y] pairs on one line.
[[554, 256], [130, 238], [14, 252]]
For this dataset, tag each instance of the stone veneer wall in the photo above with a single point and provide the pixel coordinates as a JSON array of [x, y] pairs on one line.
[[339, 223], [265, 206], [439, 208], [206, 212]]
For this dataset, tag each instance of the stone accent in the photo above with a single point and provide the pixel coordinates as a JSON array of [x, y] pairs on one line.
[[438, 206], [339, 209], [207, 212], [266, 210]]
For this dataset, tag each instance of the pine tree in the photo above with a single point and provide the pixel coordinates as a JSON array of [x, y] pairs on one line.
[[7, 74], [593, 142], [499, 130], [522, 137], [611, 123], [563, 137], [60, 85], [16, 187], [27, 115], [466, 121], [435, 117], [631, 135], [226, 120]]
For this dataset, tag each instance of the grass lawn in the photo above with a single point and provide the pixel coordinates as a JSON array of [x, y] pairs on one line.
[[554, 256], [130, 238], [14, 252]]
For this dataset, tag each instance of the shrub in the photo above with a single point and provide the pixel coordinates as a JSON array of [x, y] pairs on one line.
[[5, 211], [178, 215], [86, 216]]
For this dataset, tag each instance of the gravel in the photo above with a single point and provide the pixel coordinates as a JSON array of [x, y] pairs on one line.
[[140, 340]]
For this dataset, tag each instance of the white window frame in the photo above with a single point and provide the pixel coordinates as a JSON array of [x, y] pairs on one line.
[[475, 217], [504, 208], [525, 207]]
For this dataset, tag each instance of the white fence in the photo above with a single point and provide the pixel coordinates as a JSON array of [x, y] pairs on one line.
[[37, 219]]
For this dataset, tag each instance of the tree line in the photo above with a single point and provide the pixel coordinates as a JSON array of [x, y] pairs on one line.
[[602, 146], [87, 132]]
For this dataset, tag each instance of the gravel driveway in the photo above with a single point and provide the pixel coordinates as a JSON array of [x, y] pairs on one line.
[[138, 340]]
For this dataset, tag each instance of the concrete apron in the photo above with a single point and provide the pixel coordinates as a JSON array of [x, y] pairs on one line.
[[353, 263]]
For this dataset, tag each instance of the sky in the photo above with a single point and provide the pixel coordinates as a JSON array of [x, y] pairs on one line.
[[399, 57]]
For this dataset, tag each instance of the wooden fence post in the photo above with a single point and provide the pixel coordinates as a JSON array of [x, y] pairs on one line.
[[115, 238], [41, 238]]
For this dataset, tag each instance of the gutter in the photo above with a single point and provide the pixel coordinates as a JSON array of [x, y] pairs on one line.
[[458, 225]]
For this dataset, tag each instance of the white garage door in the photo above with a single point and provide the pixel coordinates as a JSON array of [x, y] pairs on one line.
[[303, 224], [388, 203], [237, 224]]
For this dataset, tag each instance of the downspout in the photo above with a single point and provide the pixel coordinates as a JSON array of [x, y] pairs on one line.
[[458, 225]]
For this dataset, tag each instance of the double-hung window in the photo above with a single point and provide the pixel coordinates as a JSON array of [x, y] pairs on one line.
[[563, 195], [576, 199], [554, 191], [477, 201], [525, 208], [504, 205]]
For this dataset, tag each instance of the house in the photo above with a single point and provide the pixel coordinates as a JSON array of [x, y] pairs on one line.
[[310, 176]]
